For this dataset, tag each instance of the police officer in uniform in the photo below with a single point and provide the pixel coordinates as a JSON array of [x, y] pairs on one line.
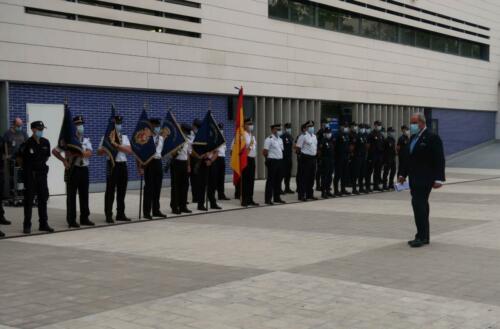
[[35, 152], [403, 148], [319, 136], [307, 146], [117, 176], [207, 181], [180, 168], [77, 177], [248, 174], [326, 152], [219, 168], [375, 157], [299, 163], [358, 163], [287, 139], [342, 151], [194, 176], [153, 176], [389, 160], [273, 152]]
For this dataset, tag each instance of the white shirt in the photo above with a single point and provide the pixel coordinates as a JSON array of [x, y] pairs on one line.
[[222, 151], [184, 152], [159, 145], [120, 156], [274, 147], [251, 144], [86, 146], [308, 144]]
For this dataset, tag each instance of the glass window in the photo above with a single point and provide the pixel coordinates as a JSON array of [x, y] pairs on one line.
[[476, 50], [369, 28], [424, 39], [452, 46], [278, 9], [388, 32], [328, 18], [302, 13], [438, 43], [466, 48], [407, 36], [349, 23]]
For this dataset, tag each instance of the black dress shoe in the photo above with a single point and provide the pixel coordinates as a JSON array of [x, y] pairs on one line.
[[46, 228], [269, 203], [110, 221], [202, 208], [123, 219], [27, 230], [253, 203], [344, 192], [215, 206], [338, 194], [176, 212], [289, 191], [87, 222], [224, 198], [186, 211], [244, 204], [73, 225], [303, 199], [330, 195], [2, 234], [362, 191], [355, 192], [159, 214], [416, 243], [145, 217], [280, 201], [4, 221]]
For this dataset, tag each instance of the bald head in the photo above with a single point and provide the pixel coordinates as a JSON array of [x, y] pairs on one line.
[[18, 122]]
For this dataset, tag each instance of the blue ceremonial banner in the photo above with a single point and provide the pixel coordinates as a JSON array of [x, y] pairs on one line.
[[173, 136], [208, 138], [142, 141], [68, 138], [111, 138]]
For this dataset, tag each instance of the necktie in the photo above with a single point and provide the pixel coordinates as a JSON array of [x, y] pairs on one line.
[[413, 143]]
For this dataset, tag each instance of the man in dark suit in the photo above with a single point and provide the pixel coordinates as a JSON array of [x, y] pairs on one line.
[[426, 170]]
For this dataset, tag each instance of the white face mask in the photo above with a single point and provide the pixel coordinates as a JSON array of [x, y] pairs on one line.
[[80, 129], [407, 133], [378, 128], [250, 128], [346, 130], [369, 130], [355, 129], [279, 133], [288, 130], [362, 130], [328, 136]]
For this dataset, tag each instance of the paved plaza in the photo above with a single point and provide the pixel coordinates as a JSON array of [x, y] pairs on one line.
[[339, 263]]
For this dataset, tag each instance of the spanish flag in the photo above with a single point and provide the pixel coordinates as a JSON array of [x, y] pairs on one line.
[[239, 151]]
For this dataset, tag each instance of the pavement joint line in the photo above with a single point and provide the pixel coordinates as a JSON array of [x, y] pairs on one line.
[[173, 218]]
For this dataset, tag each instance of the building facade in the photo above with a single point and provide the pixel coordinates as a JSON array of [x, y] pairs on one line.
[[353, 59]]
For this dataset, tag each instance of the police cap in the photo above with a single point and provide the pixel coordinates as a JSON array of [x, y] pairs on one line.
[[38, 125]]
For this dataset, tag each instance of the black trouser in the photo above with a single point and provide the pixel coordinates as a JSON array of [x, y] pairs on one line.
[[35, 183], [377, 171], [389, 173], [318, 174], [179, 184], [194, 179], [355, 170], [78, 182], [220, 176], [205, 184], [273, 181], [341, 173], [298, 176], [421, 209], [153, 179], [117, 180], [248, 181], [326, 170], [308, 173], [402, 163], [2, 212], [287, 172], [362, 163]]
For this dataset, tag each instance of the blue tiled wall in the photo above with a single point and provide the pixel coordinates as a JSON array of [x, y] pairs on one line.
[[463, 129], [95, 105]]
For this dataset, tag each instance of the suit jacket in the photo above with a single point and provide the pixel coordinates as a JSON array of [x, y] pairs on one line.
[[426, 163]]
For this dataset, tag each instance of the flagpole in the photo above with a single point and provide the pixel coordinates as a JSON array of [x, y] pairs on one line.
[[140, 200]]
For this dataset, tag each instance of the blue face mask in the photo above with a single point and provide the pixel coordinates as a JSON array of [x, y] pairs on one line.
[[19, 129], [80, 129], [310, 130], [157, 130], [118, 128], [414, 129], [39, 133]]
